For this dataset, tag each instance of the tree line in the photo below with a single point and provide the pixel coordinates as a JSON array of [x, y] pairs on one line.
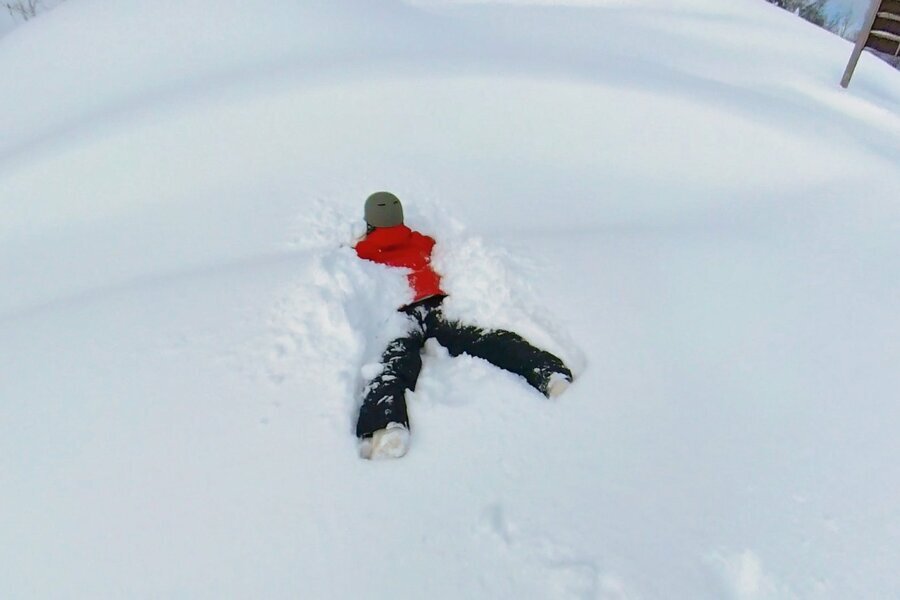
[[24, 9]]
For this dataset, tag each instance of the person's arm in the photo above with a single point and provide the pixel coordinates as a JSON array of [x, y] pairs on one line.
[[367, 249], [425, 242]]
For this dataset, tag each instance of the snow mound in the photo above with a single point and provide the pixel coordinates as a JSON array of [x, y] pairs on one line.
[[676, 197]]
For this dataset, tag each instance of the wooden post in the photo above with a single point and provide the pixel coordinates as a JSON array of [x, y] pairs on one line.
[[861, 42]]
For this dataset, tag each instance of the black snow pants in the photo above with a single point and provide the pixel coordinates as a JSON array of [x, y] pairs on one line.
[[384, 398]]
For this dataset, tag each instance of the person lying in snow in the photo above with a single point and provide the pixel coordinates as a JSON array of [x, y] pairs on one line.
[[383, 425]]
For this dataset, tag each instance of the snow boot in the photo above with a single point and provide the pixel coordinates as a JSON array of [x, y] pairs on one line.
[[390, 442], [557, 383]]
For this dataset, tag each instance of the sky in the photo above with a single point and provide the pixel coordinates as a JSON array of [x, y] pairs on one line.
[[857, 6]]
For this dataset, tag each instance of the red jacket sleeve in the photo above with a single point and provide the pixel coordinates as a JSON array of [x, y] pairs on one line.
[[425, 242], [366, 249]]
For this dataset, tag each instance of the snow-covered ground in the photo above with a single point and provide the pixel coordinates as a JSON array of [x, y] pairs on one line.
[[677, 197]]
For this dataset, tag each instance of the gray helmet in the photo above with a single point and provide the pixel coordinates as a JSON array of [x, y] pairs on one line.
[[383, 209]]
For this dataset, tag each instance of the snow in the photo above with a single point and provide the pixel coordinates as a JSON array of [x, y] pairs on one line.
[[677, 198]]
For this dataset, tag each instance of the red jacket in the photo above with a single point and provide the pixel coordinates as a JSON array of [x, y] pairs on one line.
[[400, 246]]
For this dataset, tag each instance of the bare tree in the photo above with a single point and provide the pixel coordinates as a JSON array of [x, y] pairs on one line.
[[842, 24], [26, 9]]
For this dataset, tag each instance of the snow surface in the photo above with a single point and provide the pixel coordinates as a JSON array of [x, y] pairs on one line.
[[677, 197]]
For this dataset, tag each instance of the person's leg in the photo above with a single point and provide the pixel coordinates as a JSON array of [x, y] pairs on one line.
[[384, 400], [505, 349]]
